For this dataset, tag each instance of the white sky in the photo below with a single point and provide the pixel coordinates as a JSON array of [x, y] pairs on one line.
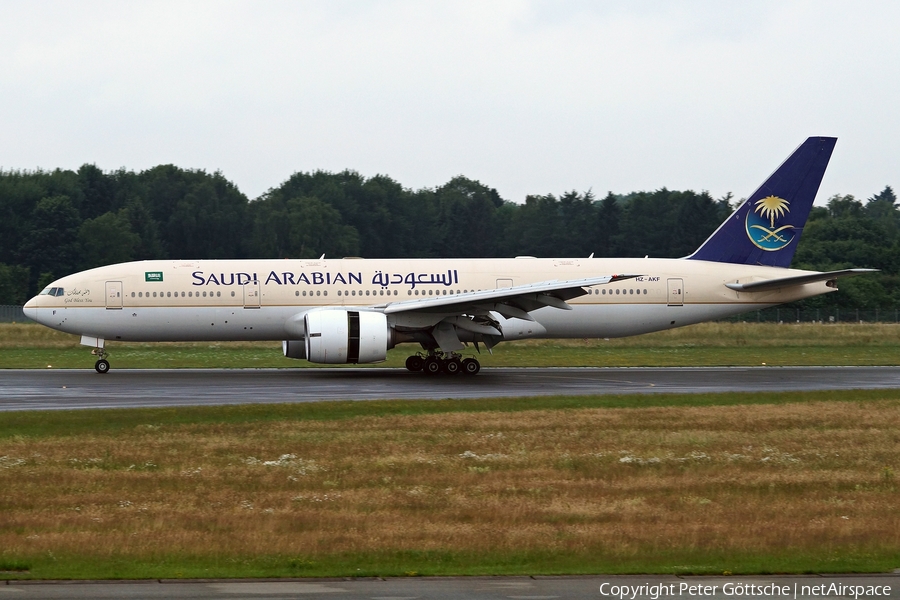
[[527, 97]]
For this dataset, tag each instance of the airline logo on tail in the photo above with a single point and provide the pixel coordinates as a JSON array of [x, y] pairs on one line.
[[765, 224]]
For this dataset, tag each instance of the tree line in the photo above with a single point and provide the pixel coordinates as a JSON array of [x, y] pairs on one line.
[[53, 223]]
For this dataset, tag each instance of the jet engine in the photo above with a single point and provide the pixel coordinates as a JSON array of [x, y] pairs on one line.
[[338, 336]]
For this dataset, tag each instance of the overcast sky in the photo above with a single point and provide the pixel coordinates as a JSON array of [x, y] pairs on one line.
[[527, 97]]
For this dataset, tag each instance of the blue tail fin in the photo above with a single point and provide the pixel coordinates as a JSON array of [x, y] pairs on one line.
[[766, 228]]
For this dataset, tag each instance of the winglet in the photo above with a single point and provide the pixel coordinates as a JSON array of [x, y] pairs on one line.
[[766, 228]]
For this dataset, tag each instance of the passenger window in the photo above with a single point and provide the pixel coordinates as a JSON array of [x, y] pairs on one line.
[[232, 294], [140, 294], [325, 293], [218, 294], [318, 293], [367, 292], [132, 294], [408, 292], [617, 292]]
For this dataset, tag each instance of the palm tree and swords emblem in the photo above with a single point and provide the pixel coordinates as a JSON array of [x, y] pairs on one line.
[[762, 220]]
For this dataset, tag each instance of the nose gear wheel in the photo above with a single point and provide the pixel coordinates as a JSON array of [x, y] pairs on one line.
[[102, 365]]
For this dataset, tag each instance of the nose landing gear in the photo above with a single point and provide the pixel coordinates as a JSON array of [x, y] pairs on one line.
[[102, 365], [438, 362]]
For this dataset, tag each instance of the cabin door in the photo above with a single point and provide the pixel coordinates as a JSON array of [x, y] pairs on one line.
[[676, 292], [251, 295], [113, 294]]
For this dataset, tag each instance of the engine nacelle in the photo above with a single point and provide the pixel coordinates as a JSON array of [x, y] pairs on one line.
[[338, 336]]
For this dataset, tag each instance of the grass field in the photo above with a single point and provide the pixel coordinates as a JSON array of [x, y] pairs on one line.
[[665, 484], [34, 346], [740, 483]]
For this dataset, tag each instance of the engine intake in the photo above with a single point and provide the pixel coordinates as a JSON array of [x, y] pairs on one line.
[[337, 336]]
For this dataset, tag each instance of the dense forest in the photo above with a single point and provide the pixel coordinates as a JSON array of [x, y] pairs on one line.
[[56, 222]]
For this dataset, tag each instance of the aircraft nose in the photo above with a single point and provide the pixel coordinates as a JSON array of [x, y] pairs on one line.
[[30, 309]]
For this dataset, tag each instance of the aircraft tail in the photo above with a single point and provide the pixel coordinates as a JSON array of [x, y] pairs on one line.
[[766, 228]]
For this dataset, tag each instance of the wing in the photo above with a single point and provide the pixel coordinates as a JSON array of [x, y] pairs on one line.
[[443, 318], [782, 282], [518, 300]]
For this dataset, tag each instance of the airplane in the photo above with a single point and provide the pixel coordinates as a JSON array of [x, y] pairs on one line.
[[353, 310]]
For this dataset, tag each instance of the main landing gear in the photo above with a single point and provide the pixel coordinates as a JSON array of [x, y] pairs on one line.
[[102, 365], [439, 362]]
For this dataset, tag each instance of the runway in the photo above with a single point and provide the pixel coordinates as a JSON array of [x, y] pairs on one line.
[[123, 388], [593, 587]]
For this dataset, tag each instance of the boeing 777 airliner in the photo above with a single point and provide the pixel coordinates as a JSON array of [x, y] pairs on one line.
[[355, 310]]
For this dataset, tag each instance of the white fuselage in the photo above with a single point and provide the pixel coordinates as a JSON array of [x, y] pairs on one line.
[[265, 299]]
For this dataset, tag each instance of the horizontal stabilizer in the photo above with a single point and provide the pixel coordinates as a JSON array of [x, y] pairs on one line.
[[782, 282]]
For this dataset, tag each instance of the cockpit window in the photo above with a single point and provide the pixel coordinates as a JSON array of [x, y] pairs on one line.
[[53, 291], [47, 292], [59, 291]]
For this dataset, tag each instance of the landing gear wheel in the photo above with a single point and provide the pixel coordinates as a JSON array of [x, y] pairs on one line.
[[415, 363], [102, 366], [432, 365], [452, 366], [471, 366]]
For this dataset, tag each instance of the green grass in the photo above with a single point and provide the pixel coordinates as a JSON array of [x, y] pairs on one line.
[[447, 563], [174, 357], [713, 344]]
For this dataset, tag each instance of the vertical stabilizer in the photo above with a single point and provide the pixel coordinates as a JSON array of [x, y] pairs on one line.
[[766, 228]]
